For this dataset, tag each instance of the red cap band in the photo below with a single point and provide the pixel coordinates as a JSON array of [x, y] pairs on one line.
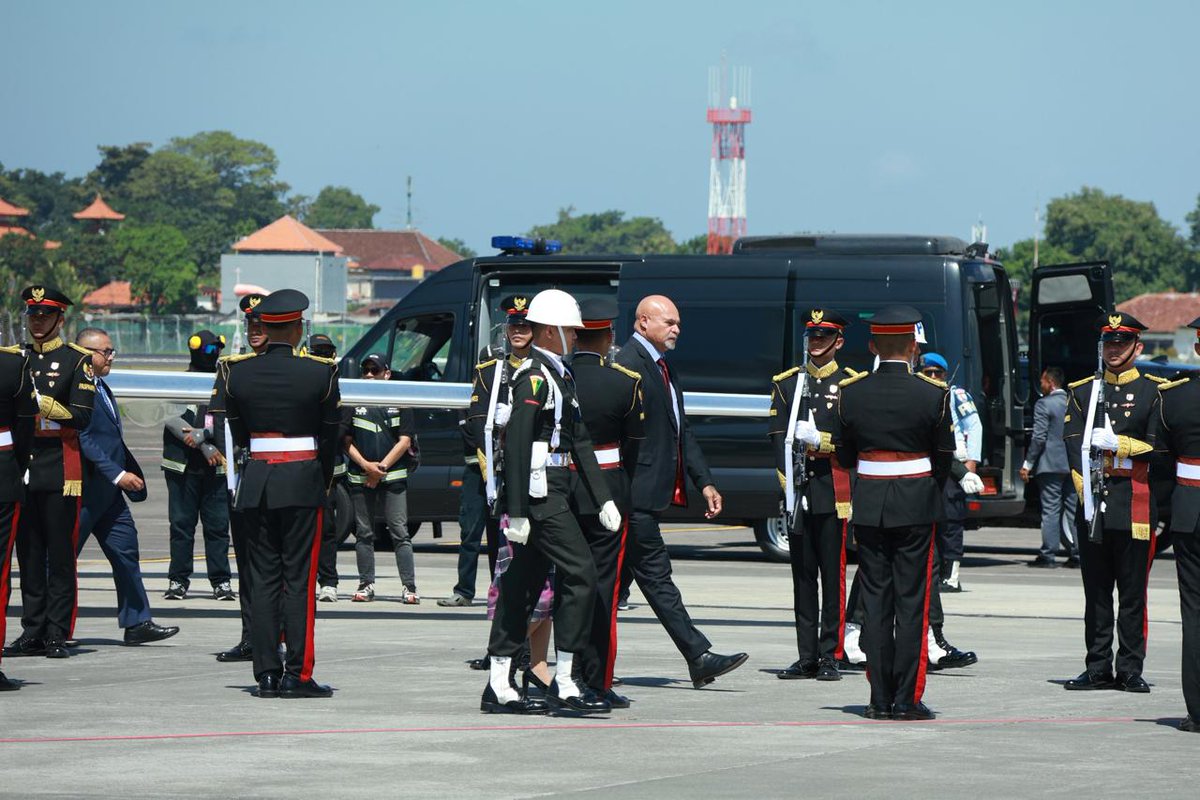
[[907, 327], [597, 324], [47, 302], [290, 316]]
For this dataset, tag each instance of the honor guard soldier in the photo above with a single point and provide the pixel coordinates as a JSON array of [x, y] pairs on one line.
[[817, 494], [893, 426], [1109, 416], [18, 411], [611, 403], [544, 437], [256, 339], [1178, 433], [49, 525], [284, 408]]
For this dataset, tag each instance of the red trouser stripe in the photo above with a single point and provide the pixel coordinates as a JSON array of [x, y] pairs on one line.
[[75, 569], [6, 573], [310, 617], [1146, 595], [923, 657], [840, 652], [612, 629]]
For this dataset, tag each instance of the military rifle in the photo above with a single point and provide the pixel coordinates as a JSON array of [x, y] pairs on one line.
[[796, 461], [1094, 468]]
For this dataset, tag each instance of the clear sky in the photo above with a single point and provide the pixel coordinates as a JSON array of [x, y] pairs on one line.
[[914, 117]]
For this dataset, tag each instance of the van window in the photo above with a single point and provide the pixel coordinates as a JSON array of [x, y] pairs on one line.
[[420, 347], [854, 352]]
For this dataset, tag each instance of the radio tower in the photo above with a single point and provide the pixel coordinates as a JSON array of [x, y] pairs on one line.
[[727, 167]]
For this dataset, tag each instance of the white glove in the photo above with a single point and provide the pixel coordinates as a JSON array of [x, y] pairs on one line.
[[971, 483], [503, 412], [517, 531], [1104, 439], [806, 431], [610, 518], [960, 454]]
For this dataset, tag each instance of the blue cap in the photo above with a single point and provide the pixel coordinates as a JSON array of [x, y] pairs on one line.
[[935, 360]]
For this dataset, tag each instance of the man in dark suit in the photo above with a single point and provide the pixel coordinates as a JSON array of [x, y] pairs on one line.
[[893, 426], [17, 413], [1046, 459], [284, 408], [669, 451], [110, 471]]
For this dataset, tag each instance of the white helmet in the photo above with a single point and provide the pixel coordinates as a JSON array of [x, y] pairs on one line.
[[554, 307]]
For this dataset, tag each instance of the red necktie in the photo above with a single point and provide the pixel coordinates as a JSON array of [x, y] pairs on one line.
[[679, 497]]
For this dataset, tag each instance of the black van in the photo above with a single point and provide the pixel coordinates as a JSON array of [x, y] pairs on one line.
[[742, 321]]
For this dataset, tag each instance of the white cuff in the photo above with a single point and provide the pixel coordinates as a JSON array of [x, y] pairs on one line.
[[117, 479], [1027, 466]]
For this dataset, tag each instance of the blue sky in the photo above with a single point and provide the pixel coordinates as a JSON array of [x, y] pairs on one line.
[[868, 116]]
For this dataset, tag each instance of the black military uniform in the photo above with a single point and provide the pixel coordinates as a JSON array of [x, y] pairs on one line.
[[49, 522], [893, 426], [327, 575], [235, 464], [817, 541], [1121, 560], [1177, 433], [550, 418], [610, 399], [18, 411], [285, 409]]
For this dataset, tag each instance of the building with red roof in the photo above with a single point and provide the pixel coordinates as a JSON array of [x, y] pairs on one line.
[[386, 265], [1166, 315], [287, 254], [11, 217]]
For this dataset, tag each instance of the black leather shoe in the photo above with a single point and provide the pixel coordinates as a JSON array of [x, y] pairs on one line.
[[798, 671], [242, 651], [6, 685], [268, 685], [1071, 563], [616, 700], [148, 631], [849, 666], [1090, 681], [1043, 563], [954, 657], [1132, 683], [26, 645], [588, 701], [57, 648], [1189, 725], [480, 663], [292, 687], [489, 704], [827, 670], [709, 666], [877, 712], [71, 644], [530, 679], [916, 711]]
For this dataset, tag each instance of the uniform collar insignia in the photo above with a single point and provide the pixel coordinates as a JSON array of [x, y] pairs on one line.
[[47, 346], [1125, 377], [820, 373]]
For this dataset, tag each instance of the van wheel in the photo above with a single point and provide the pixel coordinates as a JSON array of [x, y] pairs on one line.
[[772, 537]]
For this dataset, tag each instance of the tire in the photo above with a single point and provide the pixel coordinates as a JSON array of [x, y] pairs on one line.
[[772, 536]]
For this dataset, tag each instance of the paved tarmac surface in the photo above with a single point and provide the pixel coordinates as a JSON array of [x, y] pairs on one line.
[[167, 720]]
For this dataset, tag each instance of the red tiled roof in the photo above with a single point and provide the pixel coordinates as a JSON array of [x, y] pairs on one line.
[[1164, 312], [98, 210], [7, 209], [392, 250], [288, 235], [115, 293], [5, 230]]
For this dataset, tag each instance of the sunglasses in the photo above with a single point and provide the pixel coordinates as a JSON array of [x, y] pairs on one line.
[[933, 372], [372, 369], [107, 352]]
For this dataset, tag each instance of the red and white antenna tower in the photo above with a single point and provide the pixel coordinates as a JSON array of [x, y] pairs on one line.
[[729, 113]]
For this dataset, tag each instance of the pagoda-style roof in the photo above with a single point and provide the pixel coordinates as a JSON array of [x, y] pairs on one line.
[[7, 209], [16, 230], [98, 210], [286, 235]]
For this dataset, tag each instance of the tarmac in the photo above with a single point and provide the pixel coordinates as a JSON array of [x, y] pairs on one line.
[[166, 720]]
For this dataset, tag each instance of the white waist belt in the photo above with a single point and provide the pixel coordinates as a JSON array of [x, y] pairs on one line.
[[558, 460], [1188, 471], [6, 439], [1120, 463], [609, 456], [890, 469], [48, 424], [282, 444]]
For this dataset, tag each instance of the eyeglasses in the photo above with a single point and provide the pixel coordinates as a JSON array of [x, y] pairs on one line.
[[371, 369], [107, 352]]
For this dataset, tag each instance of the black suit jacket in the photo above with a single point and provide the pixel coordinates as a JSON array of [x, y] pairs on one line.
[[658, 456], [17, 412]]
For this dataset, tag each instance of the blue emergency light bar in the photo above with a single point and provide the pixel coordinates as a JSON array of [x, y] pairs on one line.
[[517, 245]]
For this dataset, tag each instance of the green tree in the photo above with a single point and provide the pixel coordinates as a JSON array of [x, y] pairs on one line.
[[695, 246], [458, 246], [607, 232], [1193, 221], [117, 165], [157, 261], [339, 207], [50, 197]]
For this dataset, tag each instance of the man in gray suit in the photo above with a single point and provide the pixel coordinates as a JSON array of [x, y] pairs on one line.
[[1047, 459]]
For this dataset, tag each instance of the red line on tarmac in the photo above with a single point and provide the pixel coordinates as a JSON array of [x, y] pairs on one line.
[[568, 726]]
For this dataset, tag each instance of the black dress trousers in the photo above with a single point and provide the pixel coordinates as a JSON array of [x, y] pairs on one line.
[[818, 548], [1187, 564], [47, 538], [651, 566], [1119, 561]]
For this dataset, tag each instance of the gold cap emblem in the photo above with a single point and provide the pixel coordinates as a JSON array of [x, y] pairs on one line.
[[817, 316], [519, 303], [1114, 321], [254, 301], [38, 294]]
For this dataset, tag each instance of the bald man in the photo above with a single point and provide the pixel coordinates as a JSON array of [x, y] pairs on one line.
[[668, 453]]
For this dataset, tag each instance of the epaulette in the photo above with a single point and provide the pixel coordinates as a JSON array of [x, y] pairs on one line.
[[1156, 378], [485, 364], [635, 375], [322, 359], [1162, 387], [927, 379], [13, 349], [1081, 382], [852, 372], [783, 376], [79, 349], [236, 357], [853, 378]]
